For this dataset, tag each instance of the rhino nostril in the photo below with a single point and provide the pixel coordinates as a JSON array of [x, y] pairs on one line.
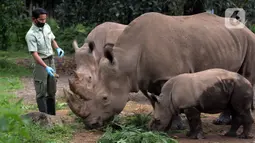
[[89, 79], [95, 125]]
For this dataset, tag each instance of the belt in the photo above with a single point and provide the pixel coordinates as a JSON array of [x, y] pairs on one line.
[[47, 58]]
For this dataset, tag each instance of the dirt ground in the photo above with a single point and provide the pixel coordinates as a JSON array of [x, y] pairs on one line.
[[139, 104]]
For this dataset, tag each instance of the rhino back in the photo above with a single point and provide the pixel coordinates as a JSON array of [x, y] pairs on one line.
[[210, 90], [158, 46]]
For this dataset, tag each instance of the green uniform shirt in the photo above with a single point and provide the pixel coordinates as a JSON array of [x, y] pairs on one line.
[[40, 39]]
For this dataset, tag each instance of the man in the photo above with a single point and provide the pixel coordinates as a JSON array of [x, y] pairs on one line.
[[41, 41]]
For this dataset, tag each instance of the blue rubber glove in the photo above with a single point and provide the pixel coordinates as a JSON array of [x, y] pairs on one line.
[[60, 52], [50, 71]]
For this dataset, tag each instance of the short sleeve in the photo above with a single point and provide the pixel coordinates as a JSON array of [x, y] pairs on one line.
[[52, 36], [31, 43]]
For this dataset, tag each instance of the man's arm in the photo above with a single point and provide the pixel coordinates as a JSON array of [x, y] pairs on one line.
[[54, 44], [59, 50], [38, 59]]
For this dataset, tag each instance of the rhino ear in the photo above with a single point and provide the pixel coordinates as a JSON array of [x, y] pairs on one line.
[[75, 45], [156, 86], [92, 46], [108, 48], [154, 97]]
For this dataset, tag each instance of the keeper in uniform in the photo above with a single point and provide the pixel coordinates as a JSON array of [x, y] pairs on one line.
[[41, 41]]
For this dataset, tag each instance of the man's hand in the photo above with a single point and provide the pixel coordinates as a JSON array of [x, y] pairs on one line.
[[60, 52], [50, 71]]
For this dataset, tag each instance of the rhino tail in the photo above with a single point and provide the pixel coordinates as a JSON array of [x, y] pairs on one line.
[[252, 101], [252, 106]]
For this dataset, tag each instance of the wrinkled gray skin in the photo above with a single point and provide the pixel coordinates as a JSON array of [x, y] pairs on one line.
[[201, 92], [155, 46]]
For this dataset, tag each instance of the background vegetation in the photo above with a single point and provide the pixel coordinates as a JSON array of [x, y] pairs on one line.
[[71, 19]]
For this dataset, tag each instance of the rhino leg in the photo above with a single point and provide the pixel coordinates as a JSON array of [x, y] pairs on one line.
[[247, 125], [195, 123], [223, 119], [177, 123], [235, 124]]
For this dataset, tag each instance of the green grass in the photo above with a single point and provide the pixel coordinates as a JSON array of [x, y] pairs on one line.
[[12, 127], [8, 66], [8, 84], [55, 134], [59, 106], [14, 55]]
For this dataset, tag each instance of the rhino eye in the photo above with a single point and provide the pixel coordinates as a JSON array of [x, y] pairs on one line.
[[104, 98]]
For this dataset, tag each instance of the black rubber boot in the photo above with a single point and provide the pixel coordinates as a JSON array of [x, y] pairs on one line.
[[51, 106], [41, 105], [223, 119]]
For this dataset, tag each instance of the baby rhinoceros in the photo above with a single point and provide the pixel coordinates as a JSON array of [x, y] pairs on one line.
[[209, 91]]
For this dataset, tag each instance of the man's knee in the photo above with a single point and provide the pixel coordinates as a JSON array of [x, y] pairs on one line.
[[40, 89]]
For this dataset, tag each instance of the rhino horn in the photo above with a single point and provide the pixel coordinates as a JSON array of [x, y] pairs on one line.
[[75, 45], [76, 104], [80, 91], [77, 75]]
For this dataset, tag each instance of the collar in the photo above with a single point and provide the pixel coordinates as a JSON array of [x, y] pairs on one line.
[[34, 27]]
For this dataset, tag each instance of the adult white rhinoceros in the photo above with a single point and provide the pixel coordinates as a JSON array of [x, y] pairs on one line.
[[86, 61], [155, 46]]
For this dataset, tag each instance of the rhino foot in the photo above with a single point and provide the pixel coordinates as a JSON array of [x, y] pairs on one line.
[[245, 136], [188, 134], [178, 126], [230, 134], [195, 135], [223, 119]]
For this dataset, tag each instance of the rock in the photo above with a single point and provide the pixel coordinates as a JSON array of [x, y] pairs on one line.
[[43, 118]]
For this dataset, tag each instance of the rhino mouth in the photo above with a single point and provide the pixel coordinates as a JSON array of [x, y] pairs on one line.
[[98, 123]]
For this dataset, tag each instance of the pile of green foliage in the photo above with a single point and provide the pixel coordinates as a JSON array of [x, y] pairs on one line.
[[133, 129]]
